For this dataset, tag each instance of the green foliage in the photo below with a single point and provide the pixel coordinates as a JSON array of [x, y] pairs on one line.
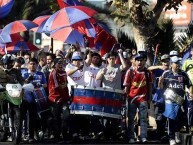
[[125, 40], [165, 37], [185, 40]]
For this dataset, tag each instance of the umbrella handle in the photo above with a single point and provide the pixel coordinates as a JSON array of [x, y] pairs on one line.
[[5, 49]]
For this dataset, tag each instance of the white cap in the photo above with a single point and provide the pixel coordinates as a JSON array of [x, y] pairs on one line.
[[76, 55], [173, 53], [174, 59]]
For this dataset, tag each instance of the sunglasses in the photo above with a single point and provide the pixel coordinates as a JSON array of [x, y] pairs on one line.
[[77, 60], [140, 60]]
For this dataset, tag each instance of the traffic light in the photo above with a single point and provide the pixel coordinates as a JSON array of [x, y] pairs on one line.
[[38, 38]]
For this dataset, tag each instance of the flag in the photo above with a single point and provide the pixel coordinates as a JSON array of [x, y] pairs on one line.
[[65, 3], [158, 98], [107, 44], [155, 55], [171, 109], [85, 27]]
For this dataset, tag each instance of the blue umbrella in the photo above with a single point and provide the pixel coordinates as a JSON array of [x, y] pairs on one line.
[[5, 38], [68, 16], [17, 26], [6, 8], [68, 35], [41, 20], [18, 46]]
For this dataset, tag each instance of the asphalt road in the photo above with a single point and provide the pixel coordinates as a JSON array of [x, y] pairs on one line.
[[81, 143], [95, 142]]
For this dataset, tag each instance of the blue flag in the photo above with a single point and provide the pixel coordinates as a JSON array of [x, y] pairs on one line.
[[171, 109], [73, 2]]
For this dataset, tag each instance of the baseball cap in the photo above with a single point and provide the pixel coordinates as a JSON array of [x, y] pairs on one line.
[[174, 59], [56, 60], [140, 55], [173, 53], [165, 56], [76, 55]]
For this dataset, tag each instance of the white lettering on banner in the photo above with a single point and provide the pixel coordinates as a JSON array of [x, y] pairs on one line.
[[176, 85], [77, 78]]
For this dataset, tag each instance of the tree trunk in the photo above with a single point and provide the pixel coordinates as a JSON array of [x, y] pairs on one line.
[[141, 40]]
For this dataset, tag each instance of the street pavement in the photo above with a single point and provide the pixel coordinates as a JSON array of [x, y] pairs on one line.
[[47, 143], [187, 139]]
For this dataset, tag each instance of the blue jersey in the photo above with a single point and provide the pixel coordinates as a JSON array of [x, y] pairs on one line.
[[38, 76], [176, 82]]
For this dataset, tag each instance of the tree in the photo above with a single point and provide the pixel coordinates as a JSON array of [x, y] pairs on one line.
[[143, 18]]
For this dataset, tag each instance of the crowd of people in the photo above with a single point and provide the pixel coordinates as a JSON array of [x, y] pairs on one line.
[[167, 86]]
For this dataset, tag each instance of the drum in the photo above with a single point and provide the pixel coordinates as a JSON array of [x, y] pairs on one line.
[[171, 95], [97, 101], [41, 100]]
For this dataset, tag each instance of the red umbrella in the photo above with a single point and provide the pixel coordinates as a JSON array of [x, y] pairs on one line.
[[17, 26], [18, 46], [16, 37], [68, 35], [5, 7], [10, 38], [68, 16], [40, 21]]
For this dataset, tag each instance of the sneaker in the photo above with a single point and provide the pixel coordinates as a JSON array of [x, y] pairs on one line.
[[131, 141], [31, 140], [172, 142], [41, 135], [144, 140], [25, 138], [10, 139], [177, 137], [51, 136]]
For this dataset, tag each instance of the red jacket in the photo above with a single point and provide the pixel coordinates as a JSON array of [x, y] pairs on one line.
[[58, 90]]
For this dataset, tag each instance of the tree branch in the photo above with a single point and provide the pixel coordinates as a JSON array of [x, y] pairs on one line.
[[157, 10], [136, 12]]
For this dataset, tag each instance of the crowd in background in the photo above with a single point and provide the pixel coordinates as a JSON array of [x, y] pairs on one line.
[[167, 86]]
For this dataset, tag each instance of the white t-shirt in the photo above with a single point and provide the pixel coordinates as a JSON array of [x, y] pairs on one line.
[[112, 77], [90, 73], [78, 76]]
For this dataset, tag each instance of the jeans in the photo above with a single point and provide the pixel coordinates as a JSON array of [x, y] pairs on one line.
[[143, 110], [175, 125], [31, 108], [60, 113]]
